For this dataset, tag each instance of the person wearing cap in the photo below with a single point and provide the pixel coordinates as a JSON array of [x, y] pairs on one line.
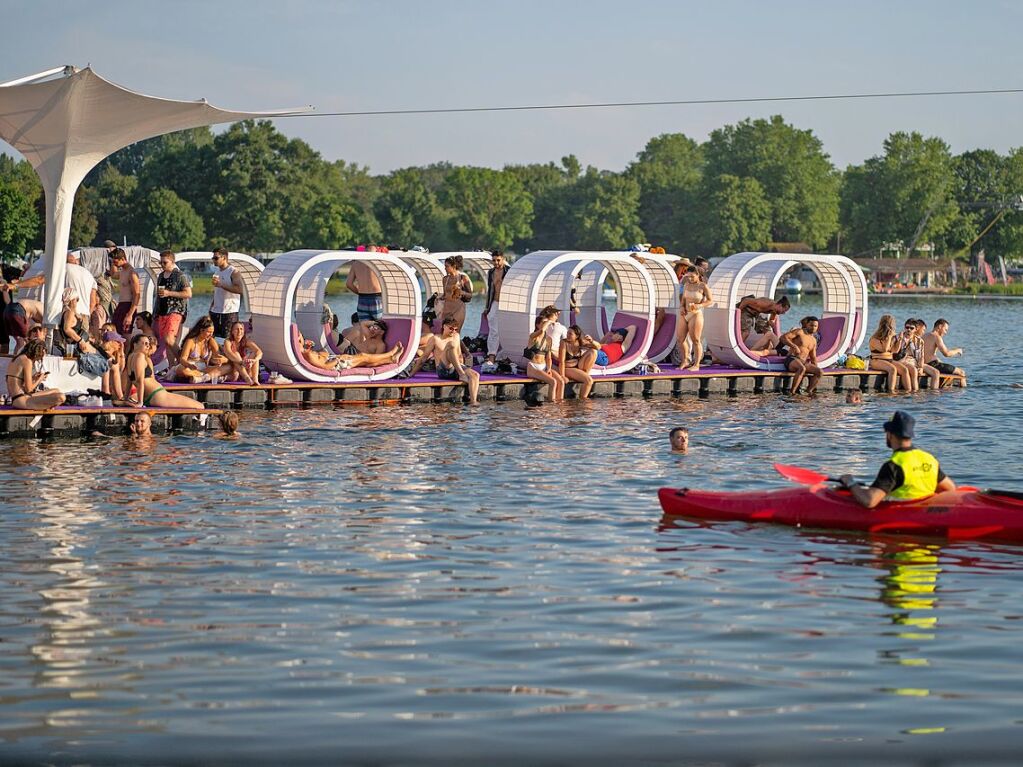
[[908, 475]]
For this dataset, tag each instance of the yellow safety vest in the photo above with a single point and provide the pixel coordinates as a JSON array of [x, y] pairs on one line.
[[920, 472]]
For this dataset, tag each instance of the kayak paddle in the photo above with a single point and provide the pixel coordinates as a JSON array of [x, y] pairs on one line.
[[802, 476]]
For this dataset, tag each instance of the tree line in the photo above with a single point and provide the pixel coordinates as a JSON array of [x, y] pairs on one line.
[[253, 189]]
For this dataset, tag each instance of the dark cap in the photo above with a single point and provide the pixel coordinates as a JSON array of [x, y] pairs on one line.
[[902, 425], [109, 244]]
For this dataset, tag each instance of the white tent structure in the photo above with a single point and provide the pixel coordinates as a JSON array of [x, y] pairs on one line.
[[843, 319], [429, 271], [288, 301], [589, 297], [66, 120], [547, 277]]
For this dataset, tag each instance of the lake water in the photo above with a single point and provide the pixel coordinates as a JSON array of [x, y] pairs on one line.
[[495, 585]]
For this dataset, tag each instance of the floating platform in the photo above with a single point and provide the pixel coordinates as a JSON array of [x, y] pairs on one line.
[[421, 388], [73, 421]]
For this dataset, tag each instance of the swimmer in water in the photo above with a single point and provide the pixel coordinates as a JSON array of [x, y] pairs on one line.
[[853, 397], [679, 437]]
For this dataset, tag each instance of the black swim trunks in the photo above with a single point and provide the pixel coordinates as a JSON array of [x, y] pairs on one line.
[[790, 358], [446, 373], [942, 367]]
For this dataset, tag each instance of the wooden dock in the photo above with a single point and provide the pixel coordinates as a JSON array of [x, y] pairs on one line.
[[423, 388]]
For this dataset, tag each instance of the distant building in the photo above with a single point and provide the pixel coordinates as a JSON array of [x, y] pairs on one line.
[[906, 272]]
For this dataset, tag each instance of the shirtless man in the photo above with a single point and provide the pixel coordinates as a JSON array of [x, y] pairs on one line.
[[19, 316], [802, 359], [750, 309], [495, 278], [363, 281], [446, 350], [365, 336], [128, 292], [934, 342]]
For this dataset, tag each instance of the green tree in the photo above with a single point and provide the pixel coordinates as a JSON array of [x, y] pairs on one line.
[[20, 175], [987, 184], [84, 225], [115, 203], [668, 171], [605, 213], [905, 193], [406, 209], [489, 208], [797, 177], [736, 215], [19, 221], [168, 222], [550, 188]]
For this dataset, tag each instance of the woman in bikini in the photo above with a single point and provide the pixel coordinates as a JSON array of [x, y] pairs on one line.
[[23, 380], [200, 360], [576, 359], [539, 365], [884, 344], [148, 391], [695, 297], [243, 355]]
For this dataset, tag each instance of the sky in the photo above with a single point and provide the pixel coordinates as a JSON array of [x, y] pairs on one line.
[[395, 54]]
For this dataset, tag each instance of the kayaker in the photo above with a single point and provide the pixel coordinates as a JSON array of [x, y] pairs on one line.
[[910, 473]]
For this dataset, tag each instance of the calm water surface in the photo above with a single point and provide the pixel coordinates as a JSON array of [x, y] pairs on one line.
[[491, 584]]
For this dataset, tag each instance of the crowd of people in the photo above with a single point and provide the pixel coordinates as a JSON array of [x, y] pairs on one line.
[[102, 327]]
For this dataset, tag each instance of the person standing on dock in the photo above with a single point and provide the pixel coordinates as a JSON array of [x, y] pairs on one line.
[[173, 292], [802, 356], [445, 350], [363, 282], [495, 278], [227, 294], [129, 291]]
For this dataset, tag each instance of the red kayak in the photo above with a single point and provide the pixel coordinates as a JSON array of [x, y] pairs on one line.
[[956, 515]]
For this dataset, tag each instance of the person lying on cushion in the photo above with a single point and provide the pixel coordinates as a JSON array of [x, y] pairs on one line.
[[322, 359], [615, 344]]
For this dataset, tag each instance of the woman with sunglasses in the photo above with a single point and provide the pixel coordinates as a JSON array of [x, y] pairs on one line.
[[139, 374]]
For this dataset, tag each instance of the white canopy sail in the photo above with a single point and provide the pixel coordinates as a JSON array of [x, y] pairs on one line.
[[65, 121]]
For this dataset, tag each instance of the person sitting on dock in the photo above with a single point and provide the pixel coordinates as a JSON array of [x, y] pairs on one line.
[[242, 354], [910, 473], [577, 357], [446, 351], [23, 380], [363, 337], [802, 356], [324, 359], [200, 360], [148, 391], [934, 342], [884, 345], [913, 345], [615, 344], [539, 362]]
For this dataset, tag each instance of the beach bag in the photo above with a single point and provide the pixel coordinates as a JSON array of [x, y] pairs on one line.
[[93, 363], [854, 362]]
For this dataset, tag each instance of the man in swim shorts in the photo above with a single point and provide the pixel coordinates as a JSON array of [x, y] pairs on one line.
[[446, 350], [363, 281], [934, 342], [908, 475], [802, 357]]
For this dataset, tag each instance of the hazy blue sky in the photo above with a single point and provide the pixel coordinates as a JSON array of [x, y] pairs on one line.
[[341, 56]]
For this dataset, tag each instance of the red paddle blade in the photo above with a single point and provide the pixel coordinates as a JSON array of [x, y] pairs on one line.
[[800, 475]]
